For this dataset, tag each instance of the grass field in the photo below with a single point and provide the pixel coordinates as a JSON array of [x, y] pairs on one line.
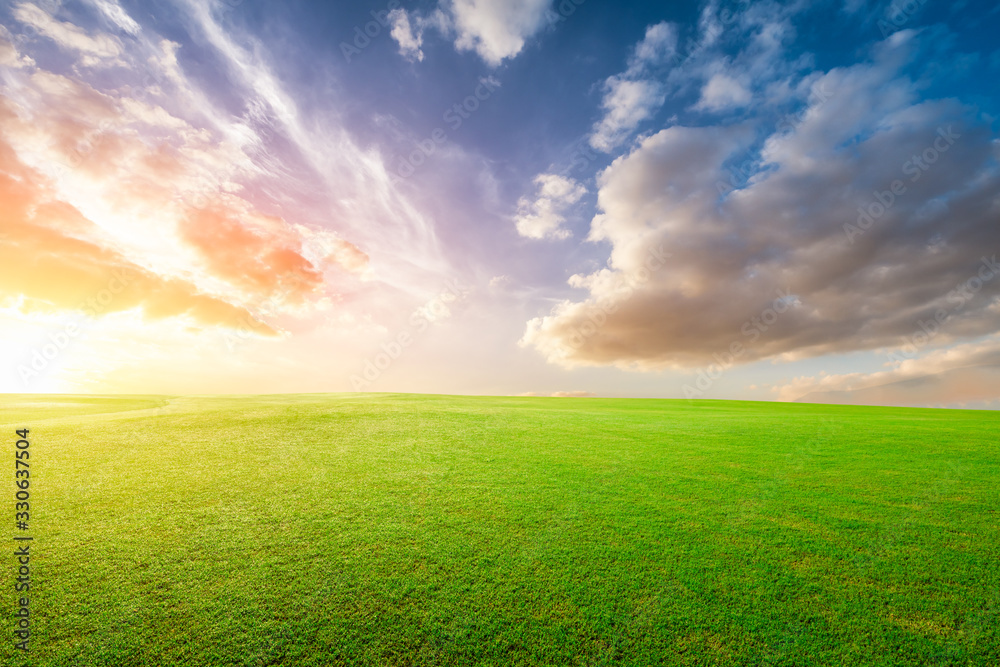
[[443, 530]]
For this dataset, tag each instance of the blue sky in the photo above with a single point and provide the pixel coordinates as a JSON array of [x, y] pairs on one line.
[[760, 200]]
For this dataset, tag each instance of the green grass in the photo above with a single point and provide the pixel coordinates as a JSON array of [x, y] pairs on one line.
[[442, 530]]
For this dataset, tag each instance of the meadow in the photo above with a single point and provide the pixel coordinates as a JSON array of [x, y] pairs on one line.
[[390, 529]]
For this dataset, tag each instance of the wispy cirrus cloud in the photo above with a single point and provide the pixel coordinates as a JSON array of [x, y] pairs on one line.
[[9, 55], [366, 205], [117, 16], [199, 204], [94, 151], [97, 49]]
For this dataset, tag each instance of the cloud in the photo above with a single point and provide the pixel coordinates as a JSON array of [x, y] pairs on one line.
[[224, 184], [409, 42], [117, 16], [98, 49], [347, 256], [92, 144], [158, 145], [495, 29], [257, 254], [723, 92], [626, 104], [543, 217], [9, 55], [633, 96], [658, 46], [772, 261], [56, 259], [731, 50], [573, 394], [364, 200], [963, 374], [157, 191], [972, 387]]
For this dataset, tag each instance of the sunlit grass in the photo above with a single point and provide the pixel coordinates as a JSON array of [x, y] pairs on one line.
[[441, 530]]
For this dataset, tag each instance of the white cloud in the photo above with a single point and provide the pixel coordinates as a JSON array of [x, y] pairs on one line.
[[113, 12], [495, 29], [633, 96], [9, 55], [723, 92], [409, 42], [95, 50], [730, 50], [626, 104], [543, 217], [659, 45]]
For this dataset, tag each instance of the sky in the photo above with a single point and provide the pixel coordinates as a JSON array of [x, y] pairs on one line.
[[735, 200]]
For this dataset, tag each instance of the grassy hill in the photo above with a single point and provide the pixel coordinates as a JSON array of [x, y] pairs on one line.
[[443, 530]]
